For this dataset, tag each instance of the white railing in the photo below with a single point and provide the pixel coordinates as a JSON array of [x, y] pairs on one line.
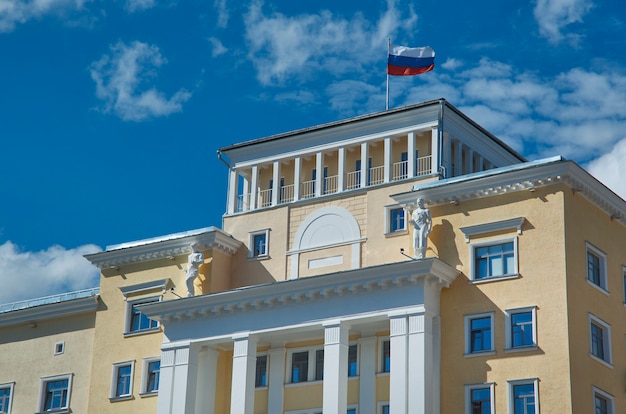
[[265, 198], [377, 175], [331, 184], [308, 189], [424, 165], [353, 180], [400, 170], [286, 193], [243, 202]]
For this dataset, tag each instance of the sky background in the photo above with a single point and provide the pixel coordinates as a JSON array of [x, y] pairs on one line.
[[111, 112]]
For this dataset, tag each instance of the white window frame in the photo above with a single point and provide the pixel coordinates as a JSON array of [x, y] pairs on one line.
[[267, 370], [59, 348], [512, 384], [606, 341], [114, 377], [252, 235], [468, 329], [468, 396], [380, 406], [512, 275], [604, 280], [381, 356], [608, 397], [129, 310], [145, 376], [10, 386], [388, 221], [509, 328], [311, 364], [42, 393]]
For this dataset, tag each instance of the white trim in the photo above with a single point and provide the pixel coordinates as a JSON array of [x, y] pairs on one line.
[[508, 314], [608, 397], [59, 348], [142, 288], [42, 392], [604, 280], [512, 383], [129, 309], [515, 223], [468, 396], [145, 376], [474, 246], [11, 387], [251, 236], [467, 324], [114, 377], [606, 341]]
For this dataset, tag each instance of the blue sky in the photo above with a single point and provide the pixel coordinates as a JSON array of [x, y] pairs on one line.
[[111, 112]]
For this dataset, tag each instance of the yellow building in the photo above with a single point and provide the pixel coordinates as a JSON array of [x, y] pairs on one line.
[[405, 262]]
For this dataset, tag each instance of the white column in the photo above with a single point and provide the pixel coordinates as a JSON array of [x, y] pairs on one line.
[[335, 368], [177, 382], [341, 168], [319, 178], [388, 160], [297, 180], [205, 389], [447, 155], [254, 190], [479, 163], [276, 380], [458, 162], [246, 195], [398, 387], [244, 365], [276, 183], [469, 160], [420, 364], [367, 375], [364, 164], [411, 161], [232, 191], [435, 151]]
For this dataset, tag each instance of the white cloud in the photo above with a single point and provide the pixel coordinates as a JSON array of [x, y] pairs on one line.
[[27, 275], [121, 79], [554, 15], [222, 13], [139, 5], [285, 48], [218, 47], [14, 12], [451, 64], [610, 168]]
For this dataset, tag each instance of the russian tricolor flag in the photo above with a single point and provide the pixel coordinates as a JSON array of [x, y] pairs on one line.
[[409, 61]]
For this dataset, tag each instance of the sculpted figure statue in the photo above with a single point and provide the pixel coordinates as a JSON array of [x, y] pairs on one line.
[[194, 260], [422, 223]]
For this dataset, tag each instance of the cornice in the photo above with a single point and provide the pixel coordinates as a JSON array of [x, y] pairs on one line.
[[164, 247], [431, 271], [49, 311], [520, 177]]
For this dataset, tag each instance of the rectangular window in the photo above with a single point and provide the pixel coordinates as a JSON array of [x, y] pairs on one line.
[[479, 399], [299, 366], [259, 244], [319, 365], [306, 365], [260, 378], [524, 398], [600, 339], [493, 260], [397, 220], [151, 374], [479, 333], [353, 361], [122, 380], [55, 393], [596, 267], [385, 356], [6, 392], [136, 320], [521, 328], [385, 409], [603, 402]]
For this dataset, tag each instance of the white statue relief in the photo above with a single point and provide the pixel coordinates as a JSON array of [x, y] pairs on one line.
[[194, 260], [422, 223]]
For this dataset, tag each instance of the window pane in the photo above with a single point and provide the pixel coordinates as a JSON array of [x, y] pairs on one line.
[[154, 372], [597, 341], [259, 242], [139, 321], [522, 329], [261, 371], [602, 405], [123, 380], [352, 361], [481, 401], [397, 219], [56, 394], [319, 365], [299, 366], [385, 409], [386, 356], [480, 334], [524, 396], [5, 399]]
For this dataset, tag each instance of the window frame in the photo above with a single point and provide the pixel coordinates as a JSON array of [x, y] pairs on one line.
[[251, 242], [389, 231], [380, 407], [511, 390], [43, 392], [607, 357], [311, 372], [115, 381], [597, 392], [468, 396], [256, 367], [381, 355], [145, 377], [468, 331], [603, 285], [59, 348], [8, 400], [130, 306], [509, 313], [511, 275]]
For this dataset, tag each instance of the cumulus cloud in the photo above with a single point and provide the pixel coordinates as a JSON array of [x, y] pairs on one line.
[[288, 47], [14, 12], [217, 47], [139, 5], [610, 168], [553, 16], [122, 83], [27, 275]]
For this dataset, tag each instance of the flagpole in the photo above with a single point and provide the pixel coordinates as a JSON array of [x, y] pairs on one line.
[[387, 70]]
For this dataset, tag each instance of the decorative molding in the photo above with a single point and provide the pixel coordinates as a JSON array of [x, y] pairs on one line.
[[515, 223], [146, 287], [166, 247], [51, 310], [310, 289]]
